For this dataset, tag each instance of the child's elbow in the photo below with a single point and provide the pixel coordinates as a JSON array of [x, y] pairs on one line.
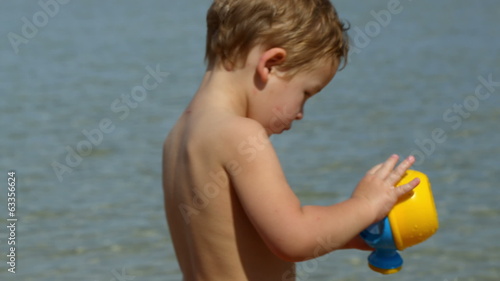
[[301, 250], [292, 256]]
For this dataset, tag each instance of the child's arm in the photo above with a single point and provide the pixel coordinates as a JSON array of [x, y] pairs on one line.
[[296, 232]]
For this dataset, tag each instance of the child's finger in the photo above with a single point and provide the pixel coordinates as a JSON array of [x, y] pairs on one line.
[[388, 166], [400, 170], [405, 188], [374, 170]]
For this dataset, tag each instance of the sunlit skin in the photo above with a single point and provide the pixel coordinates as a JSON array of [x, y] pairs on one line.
[[231, 212]]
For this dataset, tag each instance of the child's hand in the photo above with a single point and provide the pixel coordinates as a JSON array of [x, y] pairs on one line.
[[377, 186]]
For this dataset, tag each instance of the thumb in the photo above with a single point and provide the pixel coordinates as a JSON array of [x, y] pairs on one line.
[[405, 188]]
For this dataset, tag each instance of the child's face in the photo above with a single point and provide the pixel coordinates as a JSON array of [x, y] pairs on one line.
[[284, 100]]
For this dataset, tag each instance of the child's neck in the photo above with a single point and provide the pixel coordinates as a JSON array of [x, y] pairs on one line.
[[223, 89]]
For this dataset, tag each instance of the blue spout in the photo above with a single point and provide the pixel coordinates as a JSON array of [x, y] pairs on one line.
[[385, 259]]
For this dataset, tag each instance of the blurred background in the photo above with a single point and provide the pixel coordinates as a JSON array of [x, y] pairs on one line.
[[85, 138]]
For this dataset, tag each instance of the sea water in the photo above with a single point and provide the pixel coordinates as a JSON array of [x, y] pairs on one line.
[[83, 125]]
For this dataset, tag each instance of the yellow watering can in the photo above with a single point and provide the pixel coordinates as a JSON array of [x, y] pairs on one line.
[[412, 220]]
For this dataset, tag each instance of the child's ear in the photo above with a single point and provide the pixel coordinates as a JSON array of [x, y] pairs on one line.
[[268, 60]]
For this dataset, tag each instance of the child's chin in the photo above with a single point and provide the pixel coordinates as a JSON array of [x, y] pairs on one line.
[[278, 131], [284, 130]]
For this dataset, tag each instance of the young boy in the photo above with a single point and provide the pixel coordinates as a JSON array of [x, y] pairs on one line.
[[231, 213]]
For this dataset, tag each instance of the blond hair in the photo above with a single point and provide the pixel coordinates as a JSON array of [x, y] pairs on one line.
[[309, 30]]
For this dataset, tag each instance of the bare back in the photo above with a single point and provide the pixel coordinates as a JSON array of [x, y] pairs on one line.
[[212, 235]]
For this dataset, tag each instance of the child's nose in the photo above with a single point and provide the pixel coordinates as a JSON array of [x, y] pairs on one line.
[[299, 116]]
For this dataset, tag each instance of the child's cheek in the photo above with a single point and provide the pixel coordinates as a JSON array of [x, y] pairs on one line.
[[285, 113]]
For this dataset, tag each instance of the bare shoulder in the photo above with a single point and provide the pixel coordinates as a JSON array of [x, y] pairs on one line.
[[243, 138], [241, 128]]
